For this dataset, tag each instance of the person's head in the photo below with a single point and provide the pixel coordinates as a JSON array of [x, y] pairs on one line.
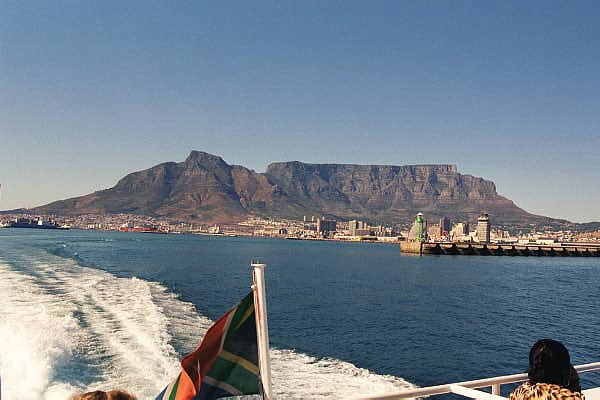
[[100, 395], [549, 362], [120, 395], [95, 395]]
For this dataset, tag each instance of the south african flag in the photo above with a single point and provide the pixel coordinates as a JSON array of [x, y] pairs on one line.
[[226, 362]]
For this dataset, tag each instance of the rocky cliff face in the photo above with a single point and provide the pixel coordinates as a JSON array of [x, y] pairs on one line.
[[385, 193], [206, 188]]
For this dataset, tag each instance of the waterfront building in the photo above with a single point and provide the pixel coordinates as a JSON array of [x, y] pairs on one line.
[[434, 232], [483, 228], [460, 232], [445, 226], [383, 231], [352, 227], [325, 226], [341, 225], [358, 228]]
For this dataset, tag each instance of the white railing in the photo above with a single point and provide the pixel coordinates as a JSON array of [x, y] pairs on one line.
[[467, 388]]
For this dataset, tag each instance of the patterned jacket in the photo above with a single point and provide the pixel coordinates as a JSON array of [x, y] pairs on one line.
[[544, 391]]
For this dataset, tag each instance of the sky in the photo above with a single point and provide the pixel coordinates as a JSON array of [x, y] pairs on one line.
[[506, 90]]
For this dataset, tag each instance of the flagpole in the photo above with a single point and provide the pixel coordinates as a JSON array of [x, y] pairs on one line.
[[262, 328]]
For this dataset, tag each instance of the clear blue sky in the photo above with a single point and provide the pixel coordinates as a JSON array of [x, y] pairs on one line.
[[507, 90]]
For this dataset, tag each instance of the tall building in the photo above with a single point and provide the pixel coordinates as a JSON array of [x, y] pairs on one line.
[[460, 232], [352, 227], [434, 232], [483, 228], [445, 226], [325, 225], [358, 228], [462, 228]]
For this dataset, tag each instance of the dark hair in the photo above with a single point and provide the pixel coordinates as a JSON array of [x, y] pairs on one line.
[[95, 395], [549, 362], [100, 395], [120, 395]]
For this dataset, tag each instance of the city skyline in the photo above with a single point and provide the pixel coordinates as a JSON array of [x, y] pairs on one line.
[[506, 91]]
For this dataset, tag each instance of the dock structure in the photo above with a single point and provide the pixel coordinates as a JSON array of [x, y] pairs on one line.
[[492, 249]]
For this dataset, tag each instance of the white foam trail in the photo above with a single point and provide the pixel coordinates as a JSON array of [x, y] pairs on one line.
[[118, 326], [300, 376], [35, 332], [65, 328]]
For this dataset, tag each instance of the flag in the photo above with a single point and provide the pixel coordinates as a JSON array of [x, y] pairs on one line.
[[226, 362]]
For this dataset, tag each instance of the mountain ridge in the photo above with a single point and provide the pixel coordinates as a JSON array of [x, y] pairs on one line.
[[205, 188]]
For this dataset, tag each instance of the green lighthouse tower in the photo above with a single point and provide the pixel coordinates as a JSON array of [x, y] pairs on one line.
[[420, 228]]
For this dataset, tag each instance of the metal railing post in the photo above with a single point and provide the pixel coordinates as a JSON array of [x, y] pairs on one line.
[[496, 389]]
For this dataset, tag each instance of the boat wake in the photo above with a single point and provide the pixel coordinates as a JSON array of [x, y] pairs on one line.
[[67, 328]]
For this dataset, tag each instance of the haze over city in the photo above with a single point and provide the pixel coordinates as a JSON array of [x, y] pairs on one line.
[[506, 91]]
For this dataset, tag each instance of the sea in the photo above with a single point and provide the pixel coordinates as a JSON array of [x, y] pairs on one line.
[[88, 310]]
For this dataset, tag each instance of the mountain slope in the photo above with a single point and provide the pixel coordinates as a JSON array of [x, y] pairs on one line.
[[205, 188]]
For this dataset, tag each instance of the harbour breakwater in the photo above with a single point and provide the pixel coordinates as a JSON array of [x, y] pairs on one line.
[[492, 249]]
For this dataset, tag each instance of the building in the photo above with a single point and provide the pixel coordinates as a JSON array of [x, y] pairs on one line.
[[352, 227], [445, 226], [324, 226], [383, 231], [434, 232], [483, 228], [460, 232], [358, 228], [462, 228]]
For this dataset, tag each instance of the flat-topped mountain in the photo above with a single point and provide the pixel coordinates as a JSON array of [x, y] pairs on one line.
[[205, 188]]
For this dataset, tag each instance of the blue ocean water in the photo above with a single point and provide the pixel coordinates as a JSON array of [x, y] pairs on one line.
[[112, 309]]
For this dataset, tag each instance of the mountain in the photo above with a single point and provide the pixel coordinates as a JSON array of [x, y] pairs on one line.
[[205, 188]]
